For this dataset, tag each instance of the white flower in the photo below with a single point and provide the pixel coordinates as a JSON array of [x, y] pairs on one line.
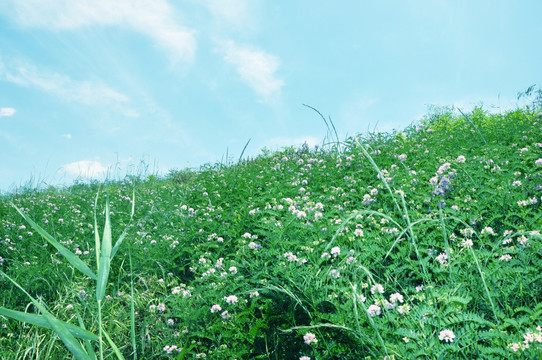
[[232, 299], [336, 251], [215, 308], [446, 335], [377, 288], [373, 310]]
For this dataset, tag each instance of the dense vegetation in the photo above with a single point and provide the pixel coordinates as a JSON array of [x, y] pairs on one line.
[[419, 244]]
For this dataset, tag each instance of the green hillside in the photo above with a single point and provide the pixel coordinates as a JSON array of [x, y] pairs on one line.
[[419, 244]]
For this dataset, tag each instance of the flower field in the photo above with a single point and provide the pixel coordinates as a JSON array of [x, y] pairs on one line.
[[418, 244]]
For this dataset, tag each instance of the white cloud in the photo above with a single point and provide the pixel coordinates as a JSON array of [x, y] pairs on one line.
[[7, 112], [85, 168], [257, 68], [92, 93], [67, 136], [153, 18], [232, 12]]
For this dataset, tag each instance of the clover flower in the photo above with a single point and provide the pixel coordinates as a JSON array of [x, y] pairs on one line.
[[310, 338], [446, 335], [231, 300], [374, 310]]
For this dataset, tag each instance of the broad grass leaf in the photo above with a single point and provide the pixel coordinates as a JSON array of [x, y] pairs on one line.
[[40, 320]]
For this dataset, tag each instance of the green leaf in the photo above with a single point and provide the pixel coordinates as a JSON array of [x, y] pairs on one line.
[[40, 320], [103, 274], [71, 257]]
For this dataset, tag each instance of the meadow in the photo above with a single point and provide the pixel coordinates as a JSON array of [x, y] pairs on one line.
[[416, 244]]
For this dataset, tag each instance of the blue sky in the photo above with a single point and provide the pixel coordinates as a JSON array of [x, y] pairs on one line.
[[94, 88]]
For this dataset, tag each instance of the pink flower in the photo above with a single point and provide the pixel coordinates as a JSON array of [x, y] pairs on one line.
[[310, 338]]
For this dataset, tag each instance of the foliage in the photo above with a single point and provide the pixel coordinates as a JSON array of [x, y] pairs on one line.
[[423, 243]]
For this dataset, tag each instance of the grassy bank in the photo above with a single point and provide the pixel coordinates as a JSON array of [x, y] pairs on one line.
[[419, 244]]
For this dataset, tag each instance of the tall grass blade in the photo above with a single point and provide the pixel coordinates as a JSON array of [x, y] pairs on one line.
[[68, 255], [105, 255], [243, 152], [113, 346], [96, 233], [88, 345], [132, 308]]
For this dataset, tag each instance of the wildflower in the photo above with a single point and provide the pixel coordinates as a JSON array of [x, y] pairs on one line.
[[374, 310], [442, 259], [161, 307], [358, 233], [233, 270], [254, 246], [170, 322], [505, 257], [446, 335], [334, 273], [232, 299], [377, 288], [445, 167], [538, 162], [225, 315], [403, 309], [326, 255], [69, 307], [488, 230], [523, 241], [215, 308], [169, 349], [515, 346], [310, 338], [254, 294], [304, 358], [247, 235], [406, 340], [396, 297], [466, 243], [335, 251], [460, 159], [419, 288], [402, 157]]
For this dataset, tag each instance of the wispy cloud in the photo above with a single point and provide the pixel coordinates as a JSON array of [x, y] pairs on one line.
[[255, 67], [231, 12], [7, 111], [86, 168], [92, 93], [153, 18]]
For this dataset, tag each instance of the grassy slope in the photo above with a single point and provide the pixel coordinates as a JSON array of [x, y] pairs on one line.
[[260, 230]]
